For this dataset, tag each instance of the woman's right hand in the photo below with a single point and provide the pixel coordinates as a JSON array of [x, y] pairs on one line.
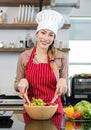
[[23, 86]]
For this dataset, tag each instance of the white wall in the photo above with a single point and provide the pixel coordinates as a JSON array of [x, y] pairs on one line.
[[8, 63]]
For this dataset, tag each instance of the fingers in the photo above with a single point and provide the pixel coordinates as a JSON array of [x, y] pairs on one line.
[[61, 87], [23, 86], [58, 92], [61, 90], [26, 90], [64, 90], [20, 95]]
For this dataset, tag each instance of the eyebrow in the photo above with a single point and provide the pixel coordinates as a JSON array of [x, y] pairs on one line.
[[46, 30]]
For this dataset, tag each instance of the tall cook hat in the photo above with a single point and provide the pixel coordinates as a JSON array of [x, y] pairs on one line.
[[49, 19]]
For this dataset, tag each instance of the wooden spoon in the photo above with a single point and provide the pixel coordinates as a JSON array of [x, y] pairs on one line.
[[52, 101], [27, 99]]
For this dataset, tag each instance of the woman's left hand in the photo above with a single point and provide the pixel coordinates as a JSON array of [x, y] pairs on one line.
[[61, 87]]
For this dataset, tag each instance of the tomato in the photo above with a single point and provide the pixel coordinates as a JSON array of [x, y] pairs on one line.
[[77, 125], [76, 115]]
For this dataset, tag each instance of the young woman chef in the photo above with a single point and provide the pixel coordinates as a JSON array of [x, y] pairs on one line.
[[42, 70]]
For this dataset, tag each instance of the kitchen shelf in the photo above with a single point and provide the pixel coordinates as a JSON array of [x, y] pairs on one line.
[[27, 26], [23, 49], [64, 49], [15, 3]]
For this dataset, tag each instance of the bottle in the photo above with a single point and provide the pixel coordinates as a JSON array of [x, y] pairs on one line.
[[28, 41], [60, 45], [22, 45], [1, 16], [4, 18]]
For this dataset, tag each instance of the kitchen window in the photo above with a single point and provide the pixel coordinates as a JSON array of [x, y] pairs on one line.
[[79, 56]]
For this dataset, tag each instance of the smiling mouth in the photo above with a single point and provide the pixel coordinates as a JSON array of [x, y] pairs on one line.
[[44, 43]]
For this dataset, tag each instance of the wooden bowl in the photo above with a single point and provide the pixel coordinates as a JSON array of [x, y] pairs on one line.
[[40, 112]]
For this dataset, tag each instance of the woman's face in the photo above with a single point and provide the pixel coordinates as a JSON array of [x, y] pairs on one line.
[[45, 38]]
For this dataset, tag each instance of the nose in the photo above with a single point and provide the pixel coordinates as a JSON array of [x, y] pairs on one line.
[[46, 37]]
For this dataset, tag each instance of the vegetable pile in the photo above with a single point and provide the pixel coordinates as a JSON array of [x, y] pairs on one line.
[[37, 102], [81, 110]]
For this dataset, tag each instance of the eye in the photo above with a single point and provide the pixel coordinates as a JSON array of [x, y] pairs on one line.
[[51, 35], [42, 32]]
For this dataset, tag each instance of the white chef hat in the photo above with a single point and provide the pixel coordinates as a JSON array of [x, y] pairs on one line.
[[49, 19]]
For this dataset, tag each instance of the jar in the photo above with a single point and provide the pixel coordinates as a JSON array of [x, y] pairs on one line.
[[1, 16], [11, 45], [1, 44]]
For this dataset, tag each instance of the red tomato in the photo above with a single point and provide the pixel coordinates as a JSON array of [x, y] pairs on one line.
[[77, 125], [76, 115]]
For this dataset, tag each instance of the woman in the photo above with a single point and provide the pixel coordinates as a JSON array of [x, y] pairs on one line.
[[42, 70]]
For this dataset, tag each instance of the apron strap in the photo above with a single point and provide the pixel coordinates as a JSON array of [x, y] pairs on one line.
[[32, 54]]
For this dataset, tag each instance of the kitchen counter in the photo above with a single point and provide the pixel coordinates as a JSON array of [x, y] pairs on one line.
[[16, 122]]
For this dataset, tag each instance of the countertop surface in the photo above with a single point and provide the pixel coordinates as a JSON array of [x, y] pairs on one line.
[[15, 122]]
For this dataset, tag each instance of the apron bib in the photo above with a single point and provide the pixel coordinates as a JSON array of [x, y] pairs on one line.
[[42, 82]]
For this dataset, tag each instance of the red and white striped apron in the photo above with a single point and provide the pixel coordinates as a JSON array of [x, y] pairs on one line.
[[42, 82]]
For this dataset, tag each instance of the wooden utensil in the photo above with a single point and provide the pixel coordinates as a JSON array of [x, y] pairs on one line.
[[27, 99], [54, 99]]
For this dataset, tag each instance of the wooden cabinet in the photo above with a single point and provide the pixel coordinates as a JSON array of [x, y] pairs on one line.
[[27, 27], [24, 26], [25, 2], [14, 3]]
